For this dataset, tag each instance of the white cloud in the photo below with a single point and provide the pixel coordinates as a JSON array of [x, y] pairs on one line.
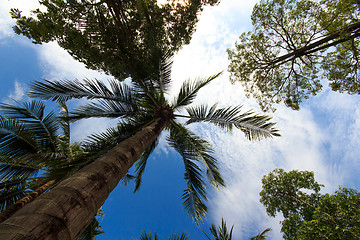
[[18, 93], [58, 64]]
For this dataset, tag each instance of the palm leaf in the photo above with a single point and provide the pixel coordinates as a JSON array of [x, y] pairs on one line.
[[201, 151], [262, 235], [195, 193], [32, 114], [141, 164], [255, 127], [103, 108], [97, 144], [162, 79], [11, 191], [90, 89], [221, 232], [127, 178], [148, 236], [178, 237], [8, 170], [189, 90], [16, 140]]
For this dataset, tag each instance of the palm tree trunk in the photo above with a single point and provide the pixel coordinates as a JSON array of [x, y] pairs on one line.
[[25, 200], [66, 210]]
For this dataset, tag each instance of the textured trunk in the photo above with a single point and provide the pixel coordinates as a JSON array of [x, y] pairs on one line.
[[65, 211], [25, 200]]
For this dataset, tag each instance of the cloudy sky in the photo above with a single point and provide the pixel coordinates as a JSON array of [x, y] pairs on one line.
[[321, 137]]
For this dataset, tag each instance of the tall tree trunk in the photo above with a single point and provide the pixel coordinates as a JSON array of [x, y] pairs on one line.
[[25, 200], [65, 211]]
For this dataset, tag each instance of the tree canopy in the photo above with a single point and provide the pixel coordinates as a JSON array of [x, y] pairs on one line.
[[294, 47], [114, 36], [309, 214]]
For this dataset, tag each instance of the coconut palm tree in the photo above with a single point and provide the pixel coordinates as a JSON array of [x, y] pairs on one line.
[[149, 236], [35, 153], [143, 112], [222, 232]]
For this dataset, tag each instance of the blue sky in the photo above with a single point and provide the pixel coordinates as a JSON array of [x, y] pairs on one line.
[[321, 137]]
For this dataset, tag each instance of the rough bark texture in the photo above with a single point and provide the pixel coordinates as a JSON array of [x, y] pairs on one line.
[[65, 211], [25, 200]]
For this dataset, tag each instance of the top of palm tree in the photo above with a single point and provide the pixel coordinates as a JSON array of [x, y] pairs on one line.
[[140, 103]]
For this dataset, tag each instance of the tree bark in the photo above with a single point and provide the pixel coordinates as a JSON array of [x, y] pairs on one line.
[[25, 200], [65, 211]]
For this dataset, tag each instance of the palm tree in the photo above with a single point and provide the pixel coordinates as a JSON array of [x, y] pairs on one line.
[[33, 155], [221, 232], [143, 113], [149, 236]]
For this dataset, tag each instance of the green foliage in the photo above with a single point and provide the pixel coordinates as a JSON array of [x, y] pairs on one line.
[[220, 232], [293, 45], [310, 215], [149, 236], [138, 105], [113, 36], [262, 235]]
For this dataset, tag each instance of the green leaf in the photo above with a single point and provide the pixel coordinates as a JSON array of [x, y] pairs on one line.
[[189, 90], [255, 127]]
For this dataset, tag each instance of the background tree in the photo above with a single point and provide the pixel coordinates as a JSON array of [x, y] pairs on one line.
[[294, 46], [114, 36], [143, 112], [310, 215]]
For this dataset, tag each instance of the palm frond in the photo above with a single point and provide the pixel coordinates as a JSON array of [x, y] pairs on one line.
[[103, 108], [221, 232], [90, 89], [149, 236], [201, 151], [255, 127], [102, 142], [127, 178], [8, 171], [195, 193], [141, 164], [178, 237], [163, 79], [189, 90], [262, 235], [12, 190], [33, 115], [16, 140]]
